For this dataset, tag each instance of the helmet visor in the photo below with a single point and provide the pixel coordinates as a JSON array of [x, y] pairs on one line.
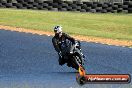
[[55, 31]]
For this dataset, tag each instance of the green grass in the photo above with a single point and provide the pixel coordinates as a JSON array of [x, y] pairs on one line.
[[114, 26]]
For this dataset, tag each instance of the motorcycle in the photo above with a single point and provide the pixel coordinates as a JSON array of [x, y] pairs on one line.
[[72, 54]]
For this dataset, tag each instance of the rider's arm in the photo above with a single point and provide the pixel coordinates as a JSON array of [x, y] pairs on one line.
[[70, 38], [55, 44]]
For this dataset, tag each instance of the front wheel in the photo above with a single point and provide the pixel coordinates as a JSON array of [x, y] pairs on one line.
[[77, 61]]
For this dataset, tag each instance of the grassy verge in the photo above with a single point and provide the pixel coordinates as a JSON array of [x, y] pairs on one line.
[[114, 26]]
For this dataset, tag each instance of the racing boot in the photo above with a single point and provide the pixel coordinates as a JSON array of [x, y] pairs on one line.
[[61, 61]]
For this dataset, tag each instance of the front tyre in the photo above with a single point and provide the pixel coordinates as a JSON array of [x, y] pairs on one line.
[[77, 61]]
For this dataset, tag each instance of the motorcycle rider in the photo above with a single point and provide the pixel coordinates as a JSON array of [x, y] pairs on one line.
[[60, 38]]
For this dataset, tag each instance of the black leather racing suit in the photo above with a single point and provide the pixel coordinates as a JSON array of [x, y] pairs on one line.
[[57, 44]]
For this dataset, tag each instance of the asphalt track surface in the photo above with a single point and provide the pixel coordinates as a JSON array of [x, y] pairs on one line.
[[30, 61]]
